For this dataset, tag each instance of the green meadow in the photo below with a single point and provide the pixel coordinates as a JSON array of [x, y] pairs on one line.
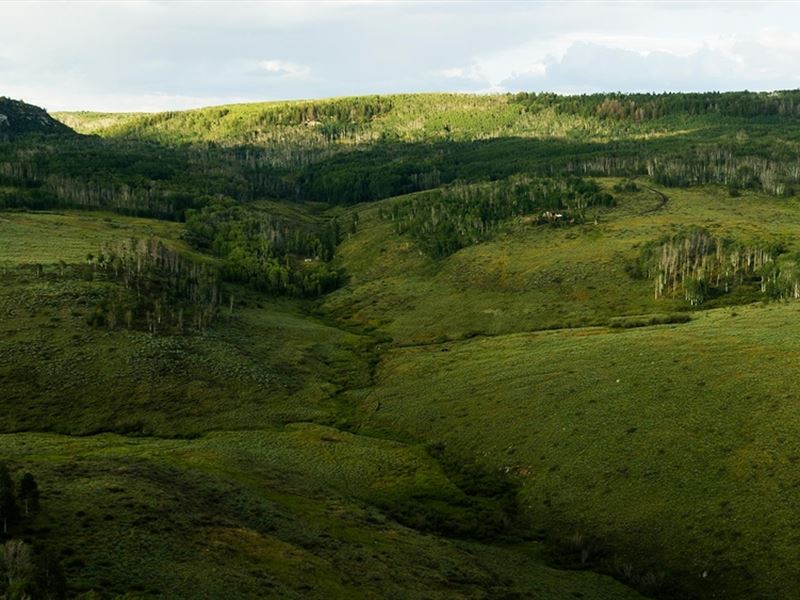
[[411, 346], [190, 466]]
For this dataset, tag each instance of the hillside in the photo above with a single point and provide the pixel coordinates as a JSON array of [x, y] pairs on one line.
[[432, 117], [18, 119], [105, 417], [414, 346]]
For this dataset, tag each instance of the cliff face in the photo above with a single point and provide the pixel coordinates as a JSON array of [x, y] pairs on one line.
[[18, 118]]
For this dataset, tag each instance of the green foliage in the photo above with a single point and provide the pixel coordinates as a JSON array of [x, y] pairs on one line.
[[641, 107], [626, 186], [700, 265], [27, 572], [267, 252], [160, 288], [448, 219]]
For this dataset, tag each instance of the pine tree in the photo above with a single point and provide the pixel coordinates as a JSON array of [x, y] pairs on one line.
[[28, 494]]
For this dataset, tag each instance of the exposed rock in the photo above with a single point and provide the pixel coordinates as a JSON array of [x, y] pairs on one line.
[[18, 119]]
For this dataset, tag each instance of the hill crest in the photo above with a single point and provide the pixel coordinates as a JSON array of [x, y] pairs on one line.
[[18, 118]]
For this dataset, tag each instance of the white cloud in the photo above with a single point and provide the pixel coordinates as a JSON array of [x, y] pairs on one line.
[[455, 73], [588, 62], [284, 68], [168, 55]]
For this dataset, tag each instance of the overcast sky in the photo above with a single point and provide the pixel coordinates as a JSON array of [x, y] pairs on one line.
[[169, 55]]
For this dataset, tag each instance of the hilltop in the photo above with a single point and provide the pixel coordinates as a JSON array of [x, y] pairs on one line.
[[18, 119], [418, 118]]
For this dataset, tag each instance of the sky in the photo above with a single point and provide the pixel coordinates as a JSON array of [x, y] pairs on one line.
[[157, 55]]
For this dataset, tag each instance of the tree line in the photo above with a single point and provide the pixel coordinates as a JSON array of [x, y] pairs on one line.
[[640, 107]]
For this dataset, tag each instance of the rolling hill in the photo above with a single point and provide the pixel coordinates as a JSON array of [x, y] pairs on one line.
[[18, 119], [428, 346]]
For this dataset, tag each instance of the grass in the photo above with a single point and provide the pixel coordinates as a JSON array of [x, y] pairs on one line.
[[682, 433], [265, 364], [536, 277], [537, 354], [267, 513], [208, 465], [287, 450], [29, 238]]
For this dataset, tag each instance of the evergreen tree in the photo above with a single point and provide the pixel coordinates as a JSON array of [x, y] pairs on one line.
[[28, 494]]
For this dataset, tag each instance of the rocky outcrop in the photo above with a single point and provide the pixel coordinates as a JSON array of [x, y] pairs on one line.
[[19, 119]]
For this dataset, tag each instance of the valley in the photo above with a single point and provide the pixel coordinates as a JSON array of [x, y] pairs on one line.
[[434, 346]]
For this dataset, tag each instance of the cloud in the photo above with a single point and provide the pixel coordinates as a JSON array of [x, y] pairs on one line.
[[284, 68], [171, 55], [581, 63]]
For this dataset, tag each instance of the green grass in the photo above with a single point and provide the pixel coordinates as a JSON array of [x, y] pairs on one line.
[[683, 434], [230, 480], [266, 363], [47, 238], [267, 513], [537, 277], [94, 122], [263, 364]]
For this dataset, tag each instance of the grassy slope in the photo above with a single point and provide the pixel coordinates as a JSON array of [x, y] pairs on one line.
[[248, 373], [684, 435], [261, 514], [412, 118], [535, 277], [95, 122], [251, 505], [681, 433]]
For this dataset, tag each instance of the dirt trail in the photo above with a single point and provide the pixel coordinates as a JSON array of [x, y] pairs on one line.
[[662, 199]]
